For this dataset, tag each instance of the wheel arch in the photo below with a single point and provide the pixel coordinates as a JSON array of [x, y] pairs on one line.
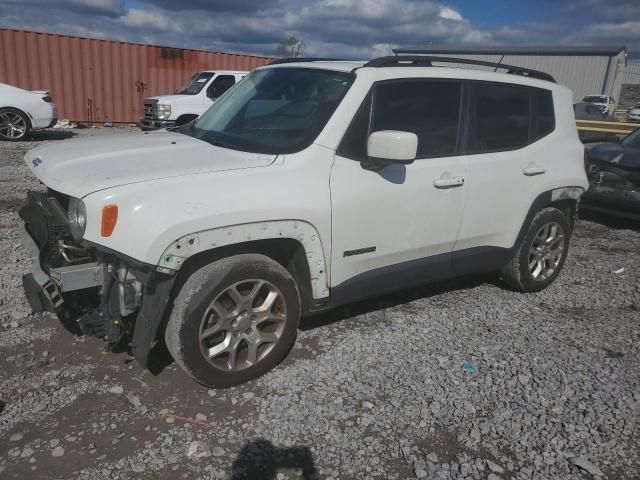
[[295, 244], [288, 252], [19, 110], [565, 199]]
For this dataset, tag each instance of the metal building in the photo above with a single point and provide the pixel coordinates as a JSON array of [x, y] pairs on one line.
[[632, 73], [585, 70], [630, 95], [101, 80]]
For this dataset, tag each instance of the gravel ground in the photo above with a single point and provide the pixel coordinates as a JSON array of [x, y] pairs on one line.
[[465, 379]]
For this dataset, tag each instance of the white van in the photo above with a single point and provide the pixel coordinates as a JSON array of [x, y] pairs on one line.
[[189, 102]]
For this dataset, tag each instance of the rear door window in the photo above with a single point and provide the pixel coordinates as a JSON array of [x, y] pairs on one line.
[[499, 117]]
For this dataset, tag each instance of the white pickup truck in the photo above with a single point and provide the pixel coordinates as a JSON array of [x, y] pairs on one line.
[[189, 102]]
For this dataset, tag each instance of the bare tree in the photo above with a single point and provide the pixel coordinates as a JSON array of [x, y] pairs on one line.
[[291, 47]]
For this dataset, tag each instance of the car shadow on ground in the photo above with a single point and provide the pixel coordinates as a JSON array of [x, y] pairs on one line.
[[261, 459], [397, 299], [608, 220], [46, 135]]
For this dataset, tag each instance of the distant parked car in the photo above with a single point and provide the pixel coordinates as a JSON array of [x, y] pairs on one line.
[[613, 169], [189, 102], [22, 111], [606, 102], [633, 115], [589, 111]]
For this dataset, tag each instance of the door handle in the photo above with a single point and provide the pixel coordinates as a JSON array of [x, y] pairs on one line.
[[448, 182], [534, 170]]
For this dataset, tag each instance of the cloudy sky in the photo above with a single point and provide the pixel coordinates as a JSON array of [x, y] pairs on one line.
[[339, 28]]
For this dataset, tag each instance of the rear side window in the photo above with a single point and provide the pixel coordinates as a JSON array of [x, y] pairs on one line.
[[499, 117], [428, 108]]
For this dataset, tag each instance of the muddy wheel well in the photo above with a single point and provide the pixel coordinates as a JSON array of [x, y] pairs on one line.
[[286, 251]]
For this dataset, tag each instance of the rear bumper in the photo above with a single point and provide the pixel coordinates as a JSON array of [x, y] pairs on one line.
[[148, 124], [44, 116]]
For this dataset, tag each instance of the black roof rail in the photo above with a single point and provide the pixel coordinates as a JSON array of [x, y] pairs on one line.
[[426, 61], [278, 61]]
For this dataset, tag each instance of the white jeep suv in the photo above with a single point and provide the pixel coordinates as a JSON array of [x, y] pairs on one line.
[[310, 185]]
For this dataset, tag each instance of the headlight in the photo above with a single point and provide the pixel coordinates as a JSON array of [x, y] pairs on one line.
[[164, 111], [77, 218]]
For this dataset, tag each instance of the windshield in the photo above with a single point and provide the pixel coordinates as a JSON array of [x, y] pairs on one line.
[[193, 86], [632, 140], [595, 99], [274, 110]]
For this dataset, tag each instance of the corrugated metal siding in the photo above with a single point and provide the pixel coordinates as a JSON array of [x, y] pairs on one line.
[[101, 80], [632, 74], [583, 74]]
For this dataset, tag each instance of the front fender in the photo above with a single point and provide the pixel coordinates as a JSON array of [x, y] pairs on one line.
[[180, 250]]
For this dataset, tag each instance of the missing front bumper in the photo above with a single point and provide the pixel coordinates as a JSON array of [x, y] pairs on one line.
[[44, 290]]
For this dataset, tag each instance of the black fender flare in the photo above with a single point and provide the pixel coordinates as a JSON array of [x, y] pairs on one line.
[[153, 311]]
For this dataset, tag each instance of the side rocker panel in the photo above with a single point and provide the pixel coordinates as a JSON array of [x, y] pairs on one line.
[[180, 250]]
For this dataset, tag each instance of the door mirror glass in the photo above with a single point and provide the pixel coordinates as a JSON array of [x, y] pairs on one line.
[[393, 146]]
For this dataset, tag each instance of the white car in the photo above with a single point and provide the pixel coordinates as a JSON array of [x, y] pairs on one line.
[[606, 102], [190, 101], [310, 185], [633, 115], [22, 111]]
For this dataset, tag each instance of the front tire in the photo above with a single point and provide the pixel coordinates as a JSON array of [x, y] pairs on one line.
[[234, 320], [14, 125], [541, 253]]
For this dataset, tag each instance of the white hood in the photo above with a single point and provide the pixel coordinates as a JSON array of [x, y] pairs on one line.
[[176, 99], [80, 167]]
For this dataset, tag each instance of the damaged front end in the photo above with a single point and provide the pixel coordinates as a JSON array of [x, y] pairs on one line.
[[614, 186], [93, 291]]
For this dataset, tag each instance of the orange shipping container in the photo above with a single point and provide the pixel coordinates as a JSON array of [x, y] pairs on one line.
[[101, 80]]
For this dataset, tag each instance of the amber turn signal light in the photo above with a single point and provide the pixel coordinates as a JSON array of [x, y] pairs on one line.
[[109, 219]]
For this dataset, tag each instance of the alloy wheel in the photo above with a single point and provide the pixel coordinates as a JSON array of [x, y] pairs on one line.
[[546, 251], [242, 325], [13, 126]]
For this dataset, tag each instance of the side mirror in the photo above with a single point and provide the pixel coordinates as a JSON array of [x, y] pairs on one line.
[[390, 146]]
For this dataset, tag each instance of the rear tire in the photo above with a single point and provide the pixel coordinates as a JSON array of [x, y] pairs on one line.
[[541, 253], [234, 320], [14, 125]]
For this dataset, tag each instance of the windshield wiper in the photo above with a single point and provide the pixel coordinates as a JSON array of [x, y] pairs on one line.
[[219, 143]]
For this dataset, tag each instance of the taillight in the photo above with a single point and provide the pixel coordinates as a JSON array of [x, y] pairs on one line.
[[47, 99]]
